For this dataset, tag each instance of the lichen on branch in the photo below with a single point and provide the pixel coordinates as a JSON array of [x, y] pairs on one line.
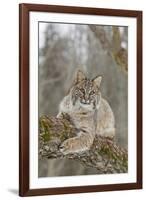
[[105, 155]]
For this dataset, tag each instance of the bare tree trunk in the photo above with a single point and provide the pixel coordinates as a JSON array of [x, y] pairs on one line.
[[104, 154], [114, 47]]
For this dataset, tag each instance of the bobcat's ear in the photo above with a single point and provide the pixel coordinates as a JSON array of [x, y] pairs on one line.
[[97, 81], [79, 76]]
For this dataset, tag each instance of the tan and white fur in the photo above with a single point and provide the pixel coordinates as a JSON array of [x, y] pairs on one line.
[[89, 112]]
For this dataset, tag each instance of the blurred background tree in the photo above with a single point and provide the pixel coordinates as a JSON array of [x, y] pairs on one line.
[[96, 50]]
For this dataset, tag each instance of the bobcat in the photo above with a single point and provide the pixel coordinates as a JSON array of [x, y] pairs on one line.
[[90, 113]]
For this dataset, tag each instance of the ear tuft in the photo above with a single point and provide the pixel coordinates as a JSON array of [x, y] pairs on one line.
[[97, 81], [79, 76]]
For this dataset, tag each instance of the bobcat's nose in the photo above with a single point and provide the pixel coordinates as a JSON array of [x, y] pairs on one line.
[[85, 101]]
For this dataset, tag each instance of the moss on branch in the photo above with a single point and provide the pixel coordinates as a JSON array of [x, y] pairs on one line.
[[105, 155]]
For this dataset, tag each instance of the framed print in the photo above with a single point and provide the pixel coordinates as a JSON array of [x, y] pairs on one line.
[[80, 99]]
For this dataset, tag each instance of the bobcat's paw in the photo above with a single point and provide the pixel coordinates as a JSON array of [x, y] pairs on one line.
[[65, 147], [59, 115], [73, 145]]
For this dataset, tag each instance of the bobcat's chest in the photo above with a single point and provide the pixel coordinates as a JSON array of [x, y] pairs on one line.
[[83, 120]]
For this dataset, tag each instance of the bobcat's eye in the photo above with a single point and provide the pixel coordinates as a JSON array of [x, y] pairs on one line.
[[92, 92], [76, 92]]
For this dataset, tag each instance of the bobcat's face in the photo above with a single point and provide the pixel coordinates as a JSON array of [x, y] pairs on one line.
[[85, 92]]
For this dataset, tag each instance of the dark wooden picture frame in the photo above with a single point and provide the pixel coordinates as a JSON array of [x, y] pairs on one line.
[[24, 10]]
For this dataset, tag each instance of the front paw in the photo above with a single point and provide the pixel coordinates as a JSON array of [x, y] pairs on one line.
[[63, 115], [59, 115], [66, 147]]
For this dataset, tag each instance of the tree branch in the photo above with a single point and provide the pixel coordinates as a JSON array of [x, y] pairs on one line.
[[114, 48], [100, 34], [104, 154]]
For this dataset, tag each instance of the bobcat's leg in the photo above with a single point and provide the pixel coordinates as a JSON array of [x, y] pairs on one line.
[[63, 115], [60, 115], [77, 144]]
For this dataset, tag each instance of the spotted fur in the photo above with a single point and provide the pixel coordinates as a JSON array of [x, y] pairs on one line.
[[90, 113]]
